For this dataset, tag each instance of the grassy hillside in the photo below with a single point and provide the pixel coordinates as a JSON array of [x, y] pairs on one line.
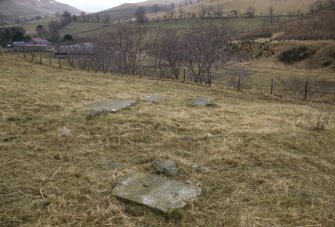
[[281, 7], [128, 10], [17, 9], [92, 29], [30, 27], [81, 29], [258, 161]]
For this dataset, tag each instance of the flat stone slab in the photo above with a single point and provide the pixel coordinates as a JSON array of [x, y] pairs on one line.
[[156, 192], [108, 106], [153, 98], [202, 102], [186, 138]]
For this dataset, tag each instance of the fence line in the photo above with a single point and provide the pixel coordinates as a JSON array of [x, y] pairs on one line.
[[305, 90]]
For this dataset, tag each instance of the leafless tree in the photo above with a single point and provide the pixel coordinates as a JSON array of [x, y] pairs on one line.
[[171, 12], [53, 30], [41, 31], [250, 12], [218, 10], [270, 14], [203, 11], [130, 47], [182, 12], [206, 48], [155, 8], [170, 49], [140, 15]]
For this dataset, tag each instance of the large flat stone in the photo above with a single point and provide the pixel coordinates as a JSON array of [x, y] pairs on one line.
[[202, 102], [156, 192], [108, 106]]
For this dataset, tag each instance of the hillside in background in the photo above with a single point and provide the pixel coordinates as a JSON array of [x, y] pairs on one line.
[[127, 10], [193, 7], [18, 10], [316, 26], [281, 7]]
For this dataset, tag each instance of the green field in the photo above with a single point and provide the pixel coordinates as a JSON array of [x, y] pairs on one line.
[[31, 26], [258, 159], [81, 29], [94, 30]]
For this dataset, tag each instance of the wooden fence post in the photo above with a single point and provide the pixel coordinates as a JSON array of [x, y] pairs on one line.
[[306, 90], [184, 79], [24, 53], [32, 57], [210, 79], [50, 61], [59, 63], [41, 61], [239, 83], [271, 89]]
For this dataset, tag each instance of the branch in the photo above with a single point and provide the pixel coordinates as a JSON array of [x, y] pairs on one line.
[[53, 175]]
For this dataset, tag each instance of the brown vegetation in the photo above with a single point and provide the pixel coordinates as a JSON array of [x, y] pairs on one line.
[[258, 161]]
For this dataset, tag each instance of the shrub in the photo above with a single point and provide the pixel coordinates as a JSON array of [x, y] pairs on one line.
[[295, 55], [67, 37]]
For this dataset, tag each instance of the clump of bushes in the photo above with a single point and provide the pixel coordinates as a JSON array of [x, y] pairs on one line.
[[332, 54], [295, 55]]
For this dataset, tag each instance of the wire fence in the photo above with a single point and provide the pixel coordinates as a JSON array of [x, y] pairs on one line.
[[316, 90]]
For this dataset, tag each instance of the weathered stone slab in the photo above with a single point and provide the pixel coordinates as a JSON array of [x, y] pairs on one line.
[[154, 98], [186, 138], [108, 106], [156, 192], [166, 166], [202, 102]]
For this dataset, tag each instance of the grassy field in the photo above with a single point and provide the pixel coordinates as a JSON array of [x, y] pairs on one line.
[[81, 29], [92, 29], [258, 160], [261, 71], [281, 7], [31, 26]]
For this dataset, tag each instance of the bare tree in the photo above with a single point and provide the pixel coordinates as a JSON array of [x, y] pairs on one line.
[[155, 8], [128, 41], [218, 10], [41, 31], [53, 30], [182, 12], [270, 14], [203, 11], [171, 50], [250, 12], [171, 12], [206, 49], [140, 15]]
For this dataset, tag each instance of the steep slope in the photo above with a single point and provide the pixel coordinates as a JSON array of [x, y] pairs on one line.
[[281, 7], [12, 10], [126, 10]]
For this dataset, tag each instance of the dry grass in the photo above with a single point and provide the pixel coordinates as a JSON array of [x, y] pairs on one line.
[[258, 161]]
